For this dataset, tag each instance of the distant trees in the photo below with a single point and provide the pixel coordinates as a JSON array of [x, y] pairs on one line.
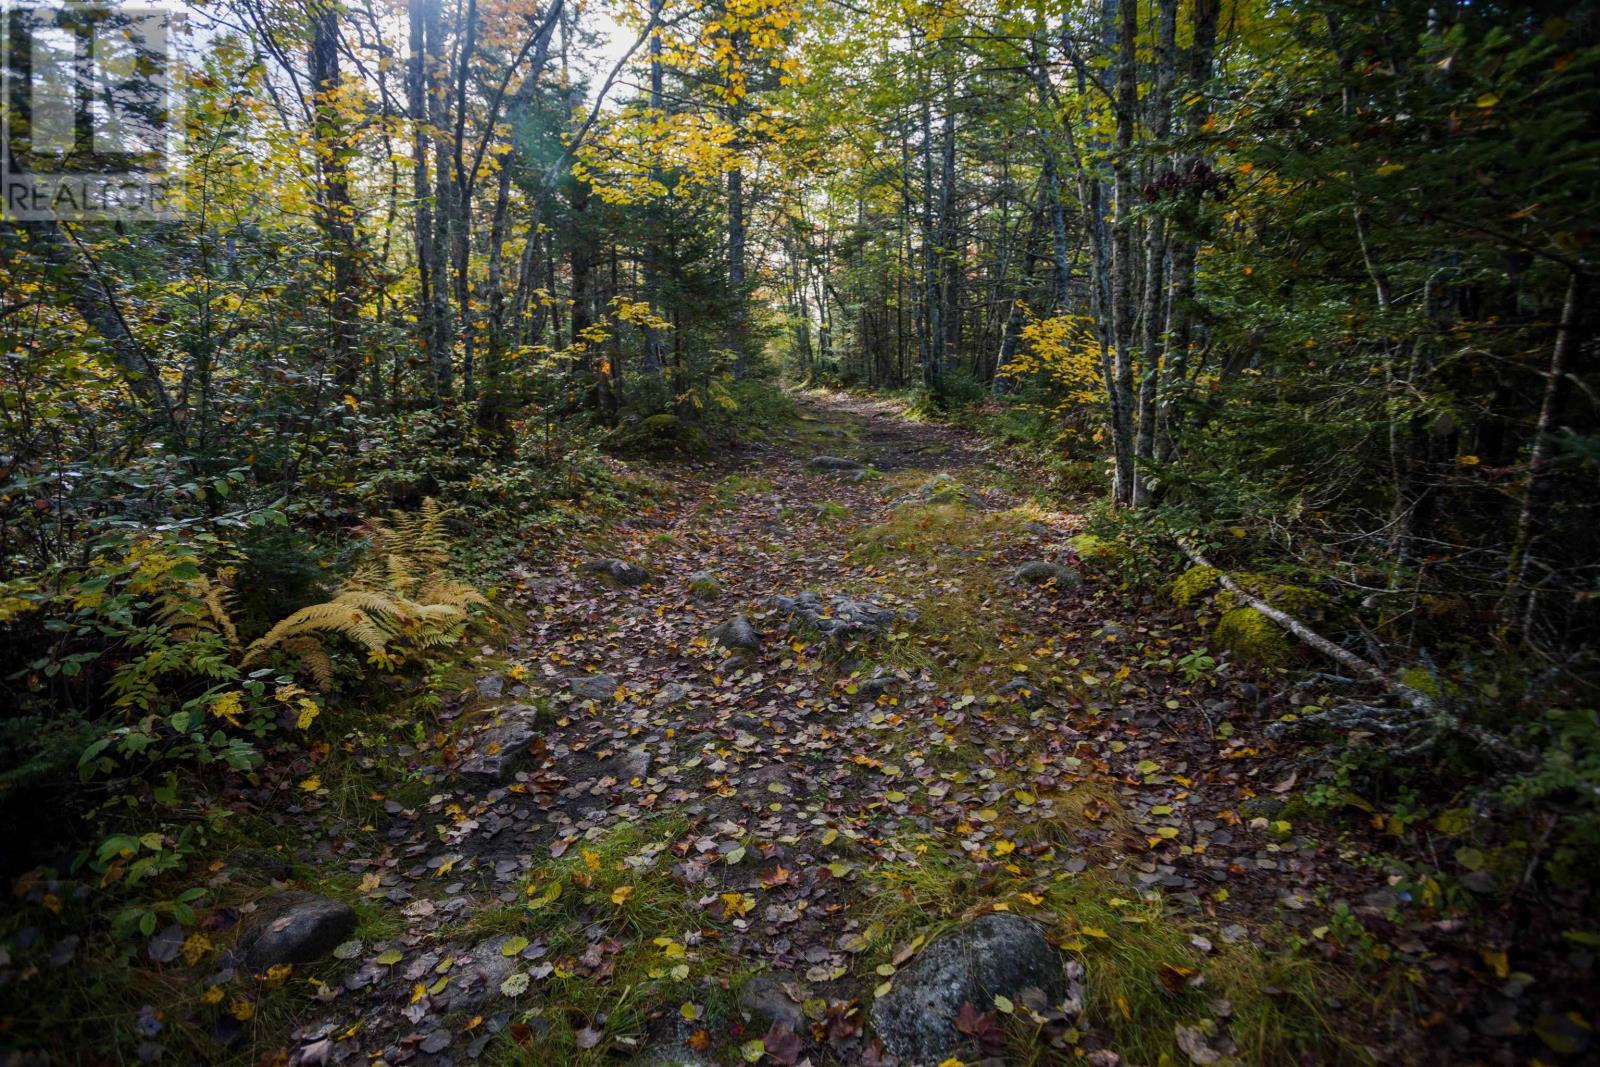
[[1327, 254]]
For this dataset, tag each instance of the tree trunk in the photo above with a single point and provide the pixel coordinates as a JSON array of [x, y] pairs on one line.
[[1180, 283], [654, 352], [1122, 295], [1155, 254], [336, 213], [737, 329]]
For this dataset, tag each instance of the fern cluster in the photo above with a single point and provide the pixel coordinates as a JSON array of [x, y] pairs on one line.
[[395, 603]]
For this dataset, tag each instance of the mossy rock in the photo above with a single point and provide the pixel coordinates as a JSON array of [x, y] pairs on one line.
[[1097, 550], [704, 586], [1193, 584], [1250, 637]]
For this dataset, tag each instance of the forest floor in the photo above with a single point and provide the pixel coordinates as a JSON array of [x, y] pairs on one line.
[[817, 810]]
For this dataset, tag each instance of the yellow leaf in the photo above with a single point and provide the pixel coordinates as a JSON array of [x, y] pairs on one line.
[[312, 784], [621, 894], [195, 946], [1487, 101]]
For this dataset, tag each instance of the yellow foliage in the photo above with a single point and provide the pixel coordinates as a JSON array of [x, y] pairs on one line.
[[1063, 350], [397, 597]]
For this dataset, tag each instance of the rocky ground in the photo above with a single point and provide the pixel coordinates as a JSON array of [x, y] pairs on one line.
[[839, 753]]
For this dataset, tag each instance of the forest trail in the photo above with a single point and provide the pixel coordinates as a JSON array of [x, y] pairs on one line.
[[813, 808]]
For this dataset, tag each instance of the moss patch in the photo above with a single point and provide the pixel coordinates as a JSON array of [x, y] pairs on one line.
[[1097, 550], [1250, 637], [1193, 584]]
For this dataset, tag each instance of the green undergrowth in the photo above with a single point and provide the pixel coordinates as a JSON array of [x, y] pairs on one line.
[[618, 886], [941, 557], [1144, 973]]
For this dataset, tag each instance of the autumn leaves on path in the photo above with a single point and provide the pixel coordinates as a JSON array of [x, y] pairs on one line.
[[647, 842]]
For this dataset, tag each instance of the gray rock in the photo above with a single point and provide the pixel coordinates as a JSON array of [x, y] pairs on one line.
[[618, 570], [839, 618], [877, 685], [491, 686], [1040, 571], [940, 489], [668, 1043], [294, 927], [770, 998], [995, 953], [495, 753], [600, 688], [833, 463], [737, 633], [1025, 692], [671, 693], [476, 976], [634, 763]]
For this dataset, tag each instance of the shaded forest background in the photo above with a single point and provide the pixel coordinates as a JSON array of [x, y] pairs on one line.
[[1300, 293]]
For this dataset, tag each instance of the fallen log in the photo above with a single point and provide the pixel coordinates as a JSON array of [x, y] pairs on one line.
[[1421, 705]]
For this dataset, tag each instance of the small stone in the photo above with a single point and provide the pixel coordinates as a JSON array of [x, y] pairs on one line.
[[601, 688], [703, 585], [495, 753], [294, 927], [671, 693], [833, 463], [476, 976], [876, 686], [770, 998], [634, 763], [617, 570], [491, 686], [737, 633], [1039, 571], [1025, 692]]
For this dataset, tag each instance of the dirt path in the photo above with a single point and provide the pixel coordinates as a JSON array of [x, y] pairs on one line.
[[817, 808]]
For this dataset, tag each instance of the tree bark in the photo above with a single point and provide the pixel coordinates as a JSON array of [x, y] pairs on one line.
[[1122, 294], [336, 212], [1155, 255]]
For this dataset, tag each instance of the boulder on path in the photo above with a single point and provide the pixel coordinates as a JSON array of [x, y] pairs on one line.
[[294, 927], [940, 489], [600, 688], [737, 633], [833, 463], [998, 953], [838, 618], [499, 750], [617, 570], [1040, 571]]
